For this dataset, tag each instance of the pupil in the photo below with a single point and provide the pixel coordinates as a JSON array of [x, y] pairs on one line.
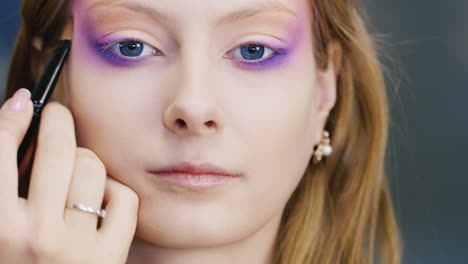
[[132, 45], [253, 49]]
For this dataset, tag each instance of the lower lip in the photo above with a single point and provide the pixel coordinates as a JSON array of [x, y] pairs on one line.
[[195, 180]]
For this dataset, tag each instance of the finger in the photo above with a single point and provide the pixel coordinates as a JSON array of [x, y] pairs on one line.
[[122, 210], [15, 116], [53, 163], [27, 160], [87, 188]]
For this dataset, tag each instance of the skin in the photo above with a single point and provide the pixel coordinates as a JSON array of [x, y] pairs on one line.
[[249, 109], [259, 121]]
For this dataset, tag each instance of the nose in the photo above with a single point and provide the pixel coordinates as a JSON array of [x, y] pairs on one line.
[[193, 111]]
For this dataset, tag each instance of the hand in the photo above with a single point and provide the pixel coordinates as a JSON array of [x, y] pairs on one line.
[[41, 229]]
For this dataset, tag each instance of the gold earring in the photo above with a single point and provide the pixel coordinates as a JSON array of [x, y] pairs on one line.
[[324, 148]]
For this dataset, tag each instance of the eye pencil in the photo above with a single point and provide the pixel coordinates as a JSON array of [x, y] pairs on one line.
[[40, 95]]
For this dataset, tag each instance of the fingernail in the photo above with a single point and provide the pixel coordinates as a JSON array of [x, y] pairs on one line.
[[20, 99]]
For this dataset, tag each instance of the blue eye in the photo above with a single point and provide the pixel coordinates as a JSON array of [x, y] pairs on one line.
[[132, 48], [252, 52]]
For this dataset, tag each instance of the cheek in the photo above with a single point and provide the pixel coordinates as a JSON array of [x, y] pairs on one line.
[[277, 112], [276, 120], [284, 140], [276, 132], [112, 109], [103, 95]]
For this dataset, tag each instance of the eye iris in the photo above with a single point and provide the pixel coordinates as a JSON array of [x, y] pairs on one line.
[[252, 51], [131, 48]]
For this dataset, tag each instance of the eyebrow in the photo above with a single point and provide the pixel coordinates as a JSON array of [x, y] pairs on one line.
[[235, 16]]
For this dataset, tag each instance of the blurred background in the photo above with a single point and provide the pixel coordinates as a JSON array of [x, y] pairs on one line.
[[426, 55]]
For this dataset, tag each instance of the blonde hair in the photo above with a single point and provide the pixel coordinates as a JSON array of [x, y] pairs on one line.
[[341, 212]]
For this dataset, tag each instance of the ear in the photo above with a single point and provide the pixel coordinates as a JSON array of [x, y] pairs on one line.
[[327, 86]]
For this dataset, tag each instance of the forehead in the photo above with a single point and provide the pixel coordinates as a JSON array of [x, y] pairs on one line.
[[215, 11]]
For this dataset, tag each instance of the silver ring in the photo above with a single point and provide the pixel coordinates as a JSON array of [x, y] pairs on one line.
[[88, 209]]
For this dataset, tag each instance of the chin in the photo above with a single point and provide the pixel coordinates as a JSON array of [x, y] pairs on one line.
[[198, 225]]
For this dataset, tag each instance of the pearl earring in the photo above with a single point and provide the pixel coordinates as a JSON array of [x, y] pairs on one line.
[[324, 148]]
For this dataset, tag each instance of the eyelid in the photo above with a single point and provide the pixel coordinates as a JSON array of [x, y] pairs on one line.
[[126, 33]]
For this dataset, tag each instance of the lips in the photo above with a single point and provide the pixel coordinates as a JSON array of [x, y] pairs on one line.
[[195, 169], [195, 175]]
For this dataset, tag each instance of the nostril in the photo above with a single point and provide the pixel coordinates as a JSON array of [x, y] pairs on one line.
[[210, 124], [181, 123]]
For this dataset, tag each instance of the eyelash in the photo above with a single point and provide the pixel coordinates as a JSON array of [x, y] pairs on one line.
[[106, 50], [109, 45]]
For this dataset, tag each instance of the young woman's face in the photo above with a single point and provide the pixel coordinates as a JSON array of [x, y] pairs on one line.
[[230, 83]]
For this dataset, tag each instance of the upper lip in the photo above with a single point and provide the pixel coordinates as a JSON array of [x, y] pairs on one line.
[[195, 169]]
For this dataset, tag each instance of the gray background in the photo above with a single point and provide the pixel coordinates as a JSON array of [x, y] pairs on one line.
[[426, 49]]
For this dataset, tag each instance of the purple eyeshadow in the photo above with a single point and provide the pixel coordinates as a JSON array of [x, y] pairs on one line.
[[277, 59], [106, 54], [101, 48], [103, 51]]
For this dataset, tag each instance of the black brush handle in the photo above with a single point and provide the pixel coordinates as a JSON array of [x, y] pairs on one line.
[[40, 96]]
